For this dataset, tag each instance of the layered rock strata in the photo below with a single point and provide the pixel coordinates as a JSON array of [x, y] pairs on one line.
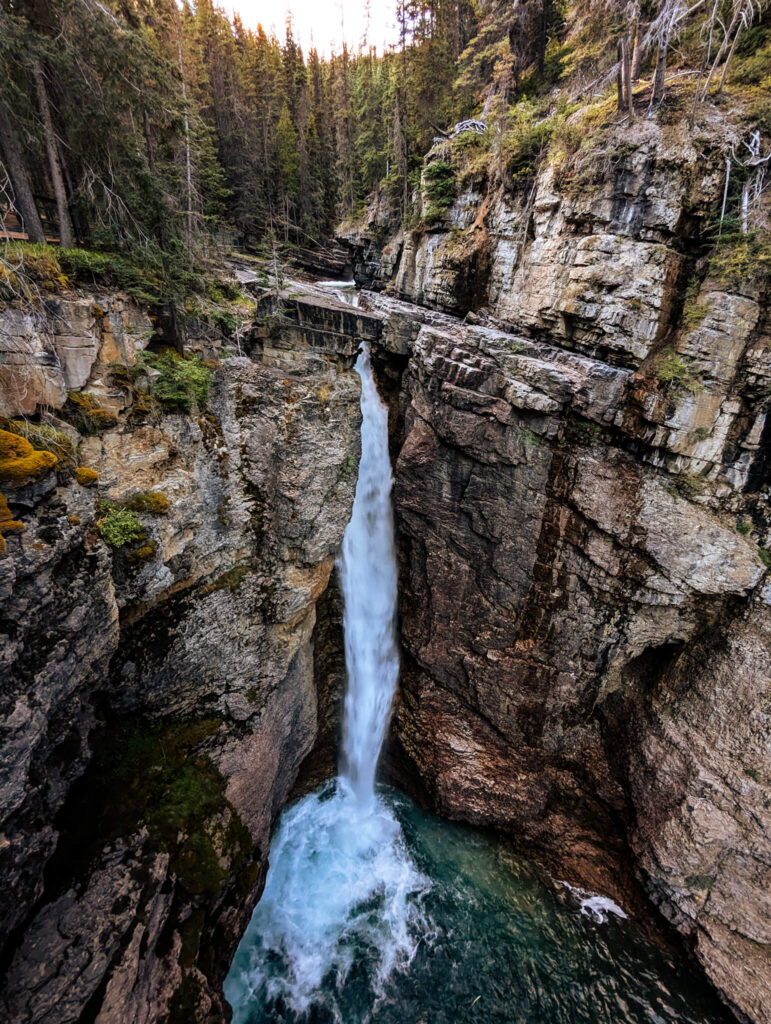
[[159, 697], [582, 500]]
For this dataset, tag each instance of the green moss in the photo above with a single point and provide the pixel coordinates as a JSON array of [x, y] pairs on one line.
[[528, 439], [752, 774], [694, 312], [83, 411], [701, 882], [182, 384], [153, 503], [230, 580], [686, 485], [252, 694], [581, 431], [744, 526], [765, 557], [145, 552], [349, 466], [119, 526]]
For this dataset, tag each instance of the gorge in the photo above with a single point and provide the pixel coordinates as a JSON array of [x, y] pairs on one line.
[[385, 519]]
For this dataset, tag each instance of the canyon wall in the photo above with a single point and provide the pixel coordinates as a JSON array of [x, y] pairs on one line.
[[159, 696], [581, 491]]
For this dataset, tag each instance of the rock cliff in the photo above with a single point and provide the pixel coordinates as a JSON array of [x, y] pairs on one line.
[[159, 694], [580, 440]]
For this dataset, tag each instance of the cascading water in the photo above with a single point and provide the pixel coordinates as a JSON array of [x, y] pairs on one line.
[[368, 571], [350, 930], [340, 877]]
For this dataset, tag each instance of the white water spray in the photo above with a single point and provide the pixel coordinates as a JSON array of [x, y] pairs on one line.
[[341, 884]]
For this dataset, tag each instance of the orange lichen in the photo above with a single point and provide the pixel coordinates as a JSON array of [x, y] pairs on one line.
[[20, 463], [7, 523], [85, 476]]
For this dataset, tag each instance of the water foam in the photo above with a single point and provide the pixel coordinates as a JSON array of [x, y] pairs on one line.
[[341, 884]]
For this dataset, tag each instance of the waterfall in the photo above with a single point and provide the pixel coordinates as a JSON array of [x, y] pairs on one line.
[[342, 888], [368, 572]]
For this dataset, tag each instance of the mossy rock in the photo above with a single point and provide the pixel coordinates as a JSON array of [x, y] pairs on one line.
[[154, 503], [46, 438], [7, 523], [84, 413], [20, 463], [86, 477]]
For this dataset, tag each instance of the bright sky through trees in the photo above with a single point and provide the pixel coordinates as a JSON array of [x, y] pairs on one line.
[[322, 23]]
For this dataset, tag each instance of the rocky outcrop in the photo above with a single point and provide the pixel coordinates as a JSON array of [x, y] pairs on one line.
[[581, 490], [159, 697]]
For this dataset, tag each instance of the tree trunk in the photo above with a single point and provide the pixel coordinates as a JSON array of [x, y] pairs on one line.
[[660, 75], [720, 53], [620, 77], [627, 64], [188, 167], [636, 50], [57, 179], [23, 200], [729, 58]]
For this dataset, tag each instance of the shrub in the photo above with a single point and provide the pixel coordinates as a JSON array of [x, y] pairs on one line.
[[182, 384], [439, 187], [20, 463], [86, 477], [119, 526], [741, 259], [677, 374]]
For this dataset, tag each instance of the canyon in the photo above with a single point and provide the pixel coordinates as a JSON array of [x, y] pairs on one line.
[[580, 446]]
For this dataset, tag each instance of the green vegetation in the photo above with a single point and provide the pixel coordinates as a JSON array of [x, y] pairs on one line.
[[182, 384], [440, 189], [693, 311], [765, 556], [741, 259], [119, 526], [582, 431], [744, 526], [677, 374]]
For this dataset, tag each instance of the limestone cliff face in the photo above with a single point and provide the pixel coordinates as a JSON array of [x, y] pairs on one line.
[[159, 698], [581, 490]]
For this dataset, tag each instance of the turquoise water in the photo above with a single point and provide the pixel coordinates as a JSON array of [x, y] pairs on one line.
[[408, 919]]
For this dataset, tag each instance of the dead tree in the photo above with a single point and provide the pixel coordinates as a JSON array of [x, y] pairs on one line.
[[66, 236], [13, 158]]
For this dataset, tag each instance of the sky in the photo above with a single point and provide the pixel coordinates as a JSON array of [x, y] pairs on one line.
[[321, 22]]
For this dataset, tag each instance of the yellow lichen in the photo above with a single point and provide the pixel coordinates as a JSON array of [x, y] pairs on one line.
[[7, 523], [20, 463], [85, 476]]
